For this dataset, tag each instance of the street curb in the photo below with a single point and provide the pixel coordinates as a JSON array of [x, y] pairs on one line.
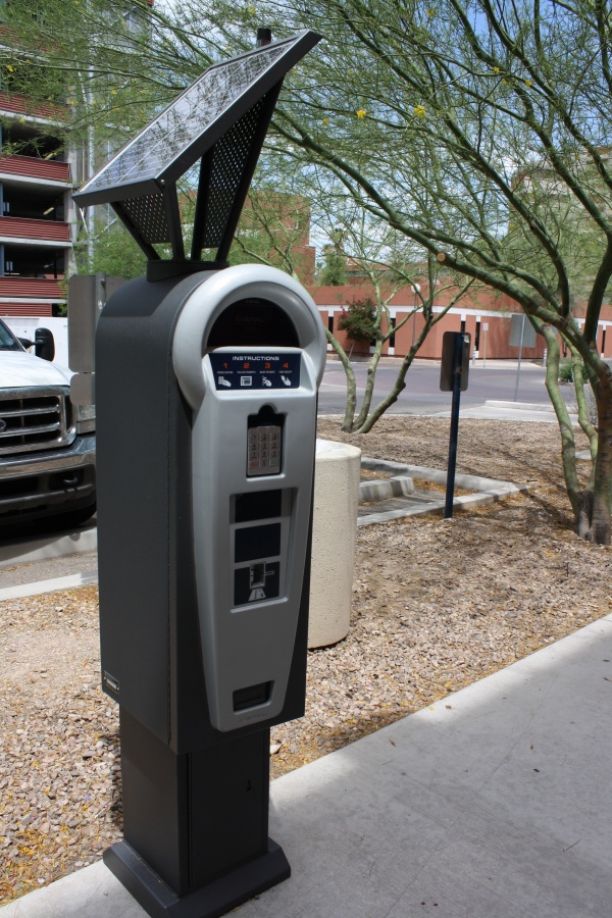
[[43, 549], [487, 489]]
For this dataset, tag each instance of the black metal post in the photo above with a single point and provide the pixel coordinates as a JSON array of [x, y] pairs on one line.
[[454, 426]]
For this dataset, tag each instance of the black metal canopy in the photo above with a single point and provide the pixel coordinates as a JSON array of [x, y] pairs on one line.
[[221, 119]]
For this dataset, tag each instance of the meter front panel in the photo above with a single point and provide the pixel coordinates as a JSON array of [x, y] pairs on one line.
[[253, 479]]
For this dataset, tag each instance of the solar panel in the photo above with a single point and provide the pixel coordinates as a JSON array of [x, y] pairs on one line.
[[193, 123]]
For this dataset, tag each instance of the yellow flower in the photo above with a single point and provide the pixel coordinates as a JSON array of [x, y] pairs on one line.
[[361, 113], [431, 13], [529, 83], [420, 111], [497, 70], [325, 120], [10, 68]]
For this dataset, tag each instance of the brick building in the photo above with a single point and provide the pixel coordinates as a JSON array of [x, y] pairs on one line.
[[35, 207], [38, 221], [484, 314]]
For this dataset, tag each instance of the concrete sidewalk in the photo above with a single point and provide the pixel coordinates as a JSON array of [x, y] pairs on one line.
[[494, 410], [493, 803]]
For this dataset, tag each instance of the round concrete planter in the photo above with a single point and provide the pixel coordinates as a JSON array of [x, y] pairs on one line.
[[336, 500]]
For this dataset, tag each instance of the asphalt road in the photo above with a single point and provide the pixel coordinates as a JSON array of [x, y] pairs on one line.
[[422, 394]]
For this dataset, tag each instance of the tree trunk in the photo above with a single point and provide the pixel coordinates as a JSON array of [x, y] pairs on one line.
[[351, 384], [368, 393], [584, 418], [568, 443], [400, 381], [594, 522]]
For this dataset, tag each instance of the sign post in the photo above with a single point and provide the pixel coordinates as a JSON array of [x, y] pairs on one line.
[[454, 378], [521, 335]]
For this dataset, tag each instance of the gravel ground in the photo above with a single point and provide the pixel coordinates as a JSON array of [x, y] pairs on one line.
[[437, 605]]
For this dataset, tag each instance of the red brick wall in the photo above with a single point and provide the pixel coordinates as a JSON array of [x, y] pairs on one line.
[[25, 309]]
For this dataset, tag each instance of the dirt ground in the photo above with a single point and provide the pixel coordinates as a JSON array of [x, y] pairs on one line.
[[437, 605]]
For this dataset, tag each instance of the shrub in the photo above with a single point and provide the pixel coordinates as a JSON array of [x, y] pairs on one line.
[[565, 370], [359, 320]]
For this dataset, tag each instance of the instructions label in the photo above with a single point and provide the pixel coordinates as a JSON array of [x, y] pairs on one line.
[[243, 370]]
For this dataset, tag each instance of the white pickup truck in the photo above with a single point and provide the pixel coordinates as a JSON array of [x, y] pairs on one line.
[[47, 446]]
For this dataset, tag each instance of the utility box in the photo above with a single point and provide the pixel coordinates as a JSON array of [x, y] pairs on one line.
[[87, 294]]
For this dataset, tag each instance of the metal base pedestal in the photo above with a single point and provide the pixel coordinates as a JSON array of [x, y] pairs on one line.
[[195, 824], [216, 898]]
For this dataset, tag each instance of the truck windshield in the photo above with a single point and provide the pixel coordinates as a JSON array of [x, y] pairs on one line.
[[8, 341]]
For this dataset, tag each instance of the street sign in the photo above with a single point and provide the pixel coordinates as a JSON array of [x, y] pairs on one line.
[[447, 368], [454, 378], [522, 332]]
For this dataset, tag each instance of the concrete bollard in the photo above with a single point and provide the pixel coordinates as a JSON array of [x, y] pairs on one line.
[[336, 498]]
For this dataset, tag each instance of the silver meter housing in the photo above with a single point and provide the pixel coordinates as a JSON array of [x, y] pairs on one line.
[[254, 404]]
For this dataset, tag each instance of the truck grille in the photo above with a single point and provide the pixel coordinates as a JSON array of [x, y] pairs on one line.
[[33, 420]]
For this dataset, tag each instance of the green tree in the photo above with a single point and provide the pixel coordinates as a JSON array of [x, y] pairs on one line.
[[114, 253], [384, 261], [430, 116], [333, 269], [273, 229], [387, 264]]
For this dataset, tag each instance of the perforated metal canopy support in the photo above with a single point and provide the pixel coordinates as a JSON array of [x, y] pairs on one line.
[[221, 119]]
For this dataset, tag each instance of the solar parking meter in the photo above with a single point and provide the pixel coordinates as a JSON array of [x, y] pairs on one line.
[[206, 388]]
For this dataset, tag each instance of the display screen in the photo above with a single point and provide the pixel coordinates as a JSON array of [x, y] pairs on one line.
[[246, 371]]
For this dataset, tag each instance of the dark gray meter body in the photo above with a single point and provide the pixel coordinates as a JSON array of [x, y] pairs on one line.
[[205, 503]]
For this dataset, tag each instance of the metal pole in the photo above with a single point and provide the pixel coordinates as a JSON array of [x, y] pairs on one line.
[[454, 426], [520, 354]]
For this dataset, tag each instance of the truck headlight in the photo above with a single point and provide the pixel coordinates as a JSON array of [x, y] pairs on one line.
[[85, 418]]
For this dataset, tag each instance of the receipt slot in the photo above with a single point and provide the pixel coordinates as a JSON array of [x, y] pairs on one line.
[[206, 402]]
